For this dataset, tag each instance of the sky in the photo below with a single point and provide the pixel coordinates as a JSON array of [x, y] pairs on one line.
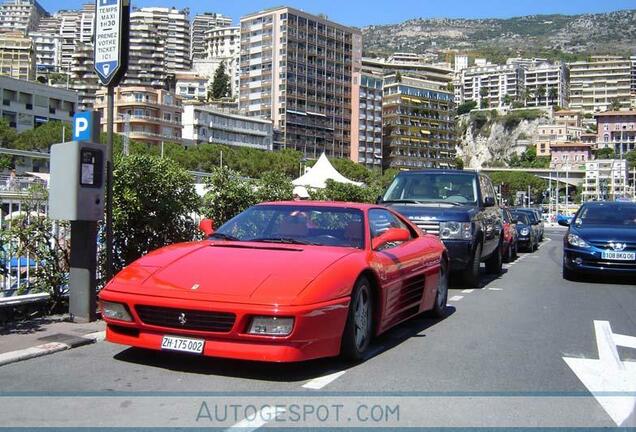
[[361, 13]]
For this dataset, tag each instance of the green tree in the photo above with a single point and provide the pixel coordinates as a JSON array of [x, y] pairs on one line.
[[466, 107], [605, 153], [44, 136], [459, 163], [541, 90], [553, 93], [507, 100], [630, 157], [615, 105], [228, 194], [153, 203], [221, 86], [274, 186], [513, 182], [346, 192], [483, 93], [398, 76]]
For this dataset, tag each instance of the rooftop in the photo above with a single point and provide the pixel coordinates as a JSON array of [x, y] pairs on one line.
[[615, 113]]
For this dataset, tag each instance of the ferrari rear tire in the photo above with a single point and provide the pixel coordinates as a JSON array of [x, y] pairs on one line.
[[359, 327], [441, 296]]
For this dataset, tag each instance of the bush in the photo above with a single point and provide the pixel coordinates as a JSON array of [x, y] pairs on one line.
[[229, 194], [513, 118], [347, 192], [466, 107], [153, 205]]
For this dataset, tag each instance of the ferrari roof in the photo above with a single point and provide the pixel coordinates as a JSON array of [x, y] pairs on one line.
[[318, 175]]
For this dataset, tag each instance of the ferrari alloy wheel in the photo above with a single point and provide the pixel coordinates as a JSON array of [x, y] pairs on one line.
[[441, 297], [359, 327]]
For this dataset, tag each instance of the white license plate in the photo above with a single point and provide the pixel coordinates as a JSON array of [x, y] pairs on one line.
[[618, 256], [175, 343]]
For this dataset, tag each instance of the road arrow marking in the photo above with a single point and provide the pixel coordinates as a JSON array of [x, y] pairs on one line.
[[609, 374]]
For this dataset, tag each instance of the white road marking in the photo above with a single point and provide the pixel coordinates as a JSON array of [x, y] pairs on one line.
[[320, 382], [468, 291], [456, 298], [609, 374], [495, 289], [259, 419]]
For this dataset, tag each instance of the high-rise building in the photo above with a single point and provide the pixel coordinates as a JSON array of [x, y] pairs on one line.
[[85, 80], [439, 73], [144, 114], [172, 27], [47, 51], [633, 80], [200, 25], [596, 83], [17, 56], [222, 42], [368, 148], [461, 62], [492, 86], [20, 16], [418, 124], [298, 70], [546, 84], [605, 179], [146, 57]]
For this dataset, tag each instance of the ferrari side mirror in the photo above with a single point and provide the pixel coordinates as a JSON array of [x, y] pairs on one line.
[[207, 227], [389, 236]]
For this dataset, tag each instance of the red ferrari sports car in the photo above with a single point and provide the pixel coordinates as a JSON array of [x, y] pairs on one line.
[[280, 282]]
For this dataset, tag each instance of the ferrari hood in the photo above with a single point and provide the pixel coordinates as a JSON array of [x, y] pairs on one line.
[[256, 273]]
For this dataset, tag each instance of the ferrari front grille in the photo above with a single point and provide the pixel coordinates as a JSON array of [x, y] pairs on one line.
[[186, 319]]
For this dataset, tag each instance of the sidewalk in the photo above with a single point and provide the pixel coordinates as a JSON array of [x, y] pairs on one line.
[[42, 336]]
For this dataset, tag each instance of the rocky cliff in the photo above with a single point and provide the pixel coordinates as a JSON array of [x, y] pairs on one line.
[[489, 139]]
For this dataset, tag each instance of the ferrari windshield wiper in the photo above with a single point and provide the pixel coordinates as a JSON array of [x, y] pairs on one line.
[[224, 236], [285, 240]]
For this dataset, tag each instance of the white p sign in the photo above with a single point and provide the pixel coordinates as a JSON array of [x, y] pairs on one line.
[[82, 126]]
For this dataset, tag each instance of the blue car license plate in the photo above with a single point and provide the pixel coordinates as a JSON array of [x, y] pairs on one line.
[[618, 256]]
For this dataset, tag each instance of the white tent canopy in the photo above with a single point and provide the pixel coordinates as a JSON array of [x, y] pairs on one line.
[[318, 175]]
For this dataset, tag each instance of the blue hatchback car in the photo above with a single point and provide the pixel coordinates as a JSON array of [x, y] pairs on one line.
[[601, 239]]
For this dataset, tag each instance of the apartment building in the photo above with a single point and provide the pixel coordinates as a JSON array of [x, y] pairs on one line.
[[568, 118], [605, 179], [418, 124], [84, 79], [48, 50], [596, 83], [616, 129], [200, 25], [437, 73], [569, 155], [205, 124], [168, 26], [222, 42], [549, 134], [191, 86], [27, 105], [461, 63], [298, 70], [144, 113], [546, 84], [492, 86], [368, 148], [632, 59], [146, 57], [17, 56], [20, 16]]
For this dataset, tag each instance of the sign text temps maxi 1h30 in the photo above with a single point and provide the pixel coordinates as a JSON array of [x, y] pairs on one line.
[[109, 33]]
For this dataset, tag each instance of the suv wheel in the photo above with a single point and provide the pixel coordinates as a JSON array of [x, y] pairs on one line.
[[494, 263], [471, 274]]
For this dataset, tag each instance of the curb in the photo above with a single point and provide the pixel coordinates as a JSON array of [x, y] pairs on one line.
[[50, 348]]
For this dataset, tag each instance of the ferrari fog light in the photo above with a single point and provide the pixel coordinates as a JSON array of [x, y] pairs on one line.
[[272, 326], [116, 311]]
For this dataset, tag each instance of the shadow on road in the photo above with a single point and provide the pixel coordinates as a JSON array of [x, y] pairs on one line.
[[275, 372], [30, 326]]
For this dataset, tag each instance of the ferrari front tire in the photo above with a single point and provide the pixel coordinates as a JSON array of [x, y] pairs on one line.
[[441, 297], [359, 328]]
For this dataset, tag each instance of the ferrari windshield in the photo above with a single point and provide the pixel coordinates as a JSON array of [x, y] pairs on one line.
[[431, 187], [609, 213], [296, 224]]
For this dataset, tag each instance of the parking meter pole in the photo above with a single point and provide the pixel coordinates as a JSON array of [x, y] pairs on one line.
[[83, 274], [109, 185]]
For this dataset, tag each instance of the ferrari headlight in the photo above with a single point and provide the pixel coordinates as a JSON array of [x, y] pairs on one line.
[[524, 231], [271, 326], [117, 311], [577, 241], [455, 230]]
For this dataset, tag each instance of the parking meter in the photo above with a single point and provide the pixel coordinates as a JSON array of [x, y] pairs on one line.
[[77, 182]]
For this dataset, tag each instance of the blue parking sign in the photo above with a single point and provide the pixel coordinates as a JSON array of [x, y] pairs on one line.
[[83, 126]]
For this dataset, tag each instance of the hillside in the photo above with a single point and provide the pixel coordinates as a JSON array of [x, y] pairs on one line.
[[535, 35]]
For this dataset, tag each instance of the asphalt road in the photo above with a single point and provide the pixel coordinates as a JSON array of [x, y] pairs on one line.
[[497, 359]]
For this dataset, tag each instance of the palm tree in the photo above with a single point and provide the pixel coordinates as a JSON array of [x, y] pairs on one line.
[[540, 93], [553, 93]]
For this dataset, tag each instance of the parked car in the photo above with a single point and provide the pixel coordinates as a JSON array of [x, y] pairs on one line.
[[280, 282], [537, 221], [458, 206], [600, 239], [510, 235], [563, 219], [526, 235]]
